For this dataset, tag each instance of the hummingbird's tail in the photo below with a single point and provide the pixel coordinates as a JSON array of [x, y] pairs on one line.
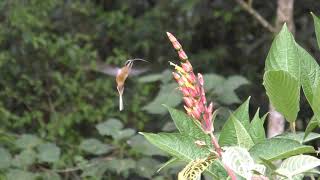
[[120, 102]]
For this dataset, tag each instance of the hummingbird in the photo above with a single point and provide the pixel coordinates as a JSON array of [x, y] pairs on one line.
[[121, 75]]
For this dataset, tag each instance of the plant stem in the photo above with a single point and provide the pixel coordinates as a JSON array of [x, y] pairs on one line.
[[219, 151], [293, 127]]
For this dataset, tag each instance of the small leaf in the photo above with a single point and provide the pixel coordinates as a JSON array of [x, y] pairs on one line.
[[48, 152], [277, 148], [234, 82], [313, 123], [256, 129], [316, 27], [27, 141], [140, 145], [5, 158], [147, 167], [234, 133], [95, 147], [283, 91], [242, 114], [297, 165], [121, 166], [109, 127]]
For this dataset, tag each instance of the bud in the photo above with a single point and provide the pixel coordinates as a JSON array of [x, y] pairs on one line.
[[196, 113], [200, 79], [177, 46], [185, 91], [176, 76], [191, 78], [186, 66], [188, 101], [182, 55]]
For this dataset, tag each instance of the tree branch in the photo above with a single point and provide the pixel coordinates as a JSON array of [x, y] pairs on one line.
[[257, 16]]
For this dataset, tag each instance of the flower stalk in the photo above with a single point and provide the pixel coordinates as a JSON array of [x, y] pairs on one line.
[[195, 102]]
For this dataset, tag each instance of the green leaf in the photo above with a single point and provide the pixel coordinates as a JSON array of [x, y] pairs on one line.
[[179, 146], [27, 141], [240, 161], [25, 158], [150, 78], [140, 145], [188, 125], [297, 165], [242, 114], [283, 54], [168, 95], [234, 133], [277, 148], [212, 81], [5, 158], [283, 91], [310, 80], [316, 21], [124, 134], [109, 127], [95, 146], [17, 174], [121, 166], [147, 167], [234, 82], [50, 175], [48, 152], [311, 126], [169, 162], [299, 136], [256, 129]]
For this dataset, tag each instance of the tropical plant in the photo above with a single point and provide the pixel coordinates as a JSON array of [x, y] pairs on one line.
[[241, 150]]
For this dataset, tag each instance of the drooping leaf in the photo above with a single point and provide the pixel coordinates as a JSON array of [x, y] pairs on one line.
[[5, 158], [256, 129], [299, 136], [283, 91], [240, 161], [316, 21], [234, 133], [94, 146], [277, 148], [187, 125], [296, 165], [109, 127], [48, 152]]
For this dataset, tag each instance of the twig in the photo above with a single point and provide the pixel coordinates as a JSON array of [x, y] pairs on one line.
[[257, 16]]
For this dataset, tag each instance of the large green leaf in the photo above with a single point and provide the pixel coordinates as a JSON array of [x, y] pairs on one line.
[[256, 129], [277, 148], [27, 141], [188, 125], [180, 146], [283, 91], [296, 165], [317, 27], [283, 54], [94, 146], [25, 158], [234, 133], [109, 127]]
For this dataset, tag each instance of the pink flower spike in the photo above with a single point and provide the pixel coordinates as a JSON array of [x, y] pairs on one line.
[[182, 55]]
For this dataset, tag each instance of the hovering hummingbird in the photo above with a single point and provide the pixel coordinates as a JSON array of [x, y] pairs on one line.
[[121, 75]]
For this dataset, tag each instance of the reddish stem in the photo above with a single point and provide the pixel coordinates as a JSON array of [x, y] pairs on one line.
[[219, 151]]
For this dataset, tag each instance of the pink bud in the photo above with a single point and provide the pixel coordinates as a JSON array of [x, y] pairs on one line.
[[200, 107], [196, 113], [174, 41], [200, 79], [210, 108], [176, 76], [186, 66], [182, 55], [185, 91], [188, 101]]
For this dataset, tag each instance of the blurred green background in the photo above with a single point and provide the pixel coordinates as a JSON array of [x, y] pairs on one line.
[[60, 120]]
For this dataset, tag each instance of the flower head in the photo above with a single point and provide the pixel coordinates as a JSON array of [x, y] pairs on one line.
[[192, 88]]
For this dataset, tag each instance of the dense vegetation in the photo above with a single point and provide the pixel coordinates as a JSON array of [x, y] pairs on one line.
[[59, 117]]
